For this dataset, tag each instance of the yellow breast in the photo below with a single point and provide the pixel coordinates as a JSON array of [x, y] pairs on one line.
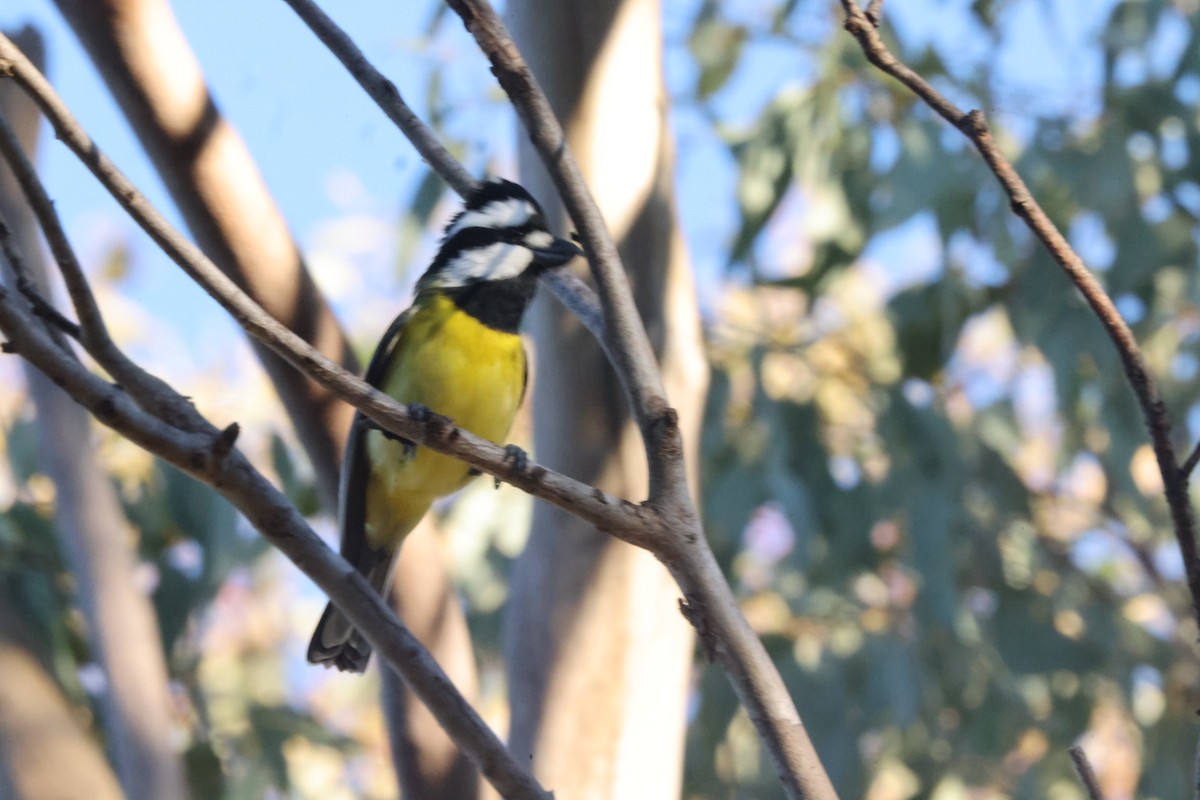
[[446, 360]]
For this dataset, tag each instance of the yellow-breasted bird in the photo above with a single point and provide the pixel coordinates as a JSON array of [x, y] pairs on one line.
[[457, 352]]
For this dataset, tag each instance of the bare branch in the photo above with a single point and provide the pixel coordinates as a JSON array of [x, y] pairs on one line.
[[974, 127], [1085, 773], [57, 323]]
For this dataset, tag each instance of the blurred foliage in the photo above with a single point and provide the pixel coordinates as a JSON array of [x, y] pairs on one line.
[[923, 471], [930, 483]]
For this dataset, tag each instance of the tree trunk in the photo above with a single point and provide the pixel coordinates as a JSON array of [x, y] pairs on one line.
[[121, 624], [45, 754], [598, 654]]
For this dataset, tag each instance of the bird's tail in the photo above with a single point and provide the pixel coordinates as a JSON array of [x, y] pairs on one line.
[[336, 642]]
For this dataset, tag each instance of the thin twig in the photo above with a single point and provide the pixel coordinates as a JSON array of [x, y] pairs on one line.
[[1185, 470], [573, 293], [1085, 773], [57, 324], [153, 394], [385, 94], [580, 300], [974, 127]]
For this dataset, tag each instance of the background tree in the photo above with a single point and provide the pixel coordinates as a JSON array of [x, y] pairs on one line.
[[614, 650]]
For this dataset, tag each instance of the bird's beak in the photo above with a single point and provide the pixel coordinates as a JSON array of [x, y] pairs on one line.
[[558, 253]]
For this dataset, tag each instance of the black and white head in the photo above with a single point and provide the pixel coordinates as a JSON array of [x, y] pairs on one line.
[[499, 237]]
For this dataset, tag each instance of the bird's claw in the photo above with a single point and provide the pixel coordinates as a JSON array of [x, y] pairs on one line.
[[418, 413], [517, 457]]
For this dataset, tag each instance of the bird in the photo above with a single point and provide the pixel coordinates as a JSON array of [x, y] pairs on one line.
[[457, 352]]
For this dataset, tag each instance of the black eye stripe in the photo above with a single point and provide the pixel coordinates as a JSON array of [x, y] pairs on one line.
[[467, 238]]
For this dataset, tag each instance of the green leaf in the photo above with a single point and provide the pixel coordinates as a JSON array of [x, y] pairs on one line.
[[717, 48]]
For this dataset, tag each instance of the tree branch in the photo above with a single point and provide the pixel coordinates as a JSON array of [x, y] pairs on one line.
[[634, 357], [874, 12], [974, 127]]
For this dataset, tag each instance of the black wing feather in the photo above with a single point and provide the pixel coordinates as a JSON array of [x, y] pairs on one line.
[[356, 468]]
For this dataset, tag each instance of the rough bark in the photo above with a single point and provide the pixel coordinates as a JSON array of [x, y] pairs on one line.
[[148, 65], [121, 624], [598, 654]]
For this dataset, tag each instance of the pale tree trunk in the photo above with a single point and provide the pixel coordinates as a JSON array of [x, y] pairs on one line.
[[45, 754], [144, 58], [121, 625], [598, 653]]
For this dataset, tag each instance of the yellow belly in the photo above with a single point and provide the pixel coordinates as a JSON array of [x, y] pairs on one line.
[[448, 361]]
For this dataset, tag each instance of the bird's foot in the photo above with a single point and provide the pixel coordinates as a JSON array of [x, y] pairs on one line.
[[517, 457]]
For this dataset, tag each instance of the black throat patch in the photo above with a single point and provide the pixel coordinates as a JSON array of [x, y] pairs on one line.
[[497, 304]]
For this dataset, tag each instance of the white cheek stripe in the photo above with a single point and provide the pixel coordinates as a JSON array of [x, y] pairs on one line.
[[496, 262], [511, 213], [539, 239]]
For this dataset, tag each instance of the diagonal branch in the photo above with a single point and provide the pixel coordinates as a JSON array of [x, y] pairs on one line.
[[1189, 464], [56, 323], [974, 127]]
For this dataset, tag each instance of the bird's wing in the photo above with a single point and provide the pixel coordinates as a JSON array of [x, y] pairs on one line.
[[356, 466]]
